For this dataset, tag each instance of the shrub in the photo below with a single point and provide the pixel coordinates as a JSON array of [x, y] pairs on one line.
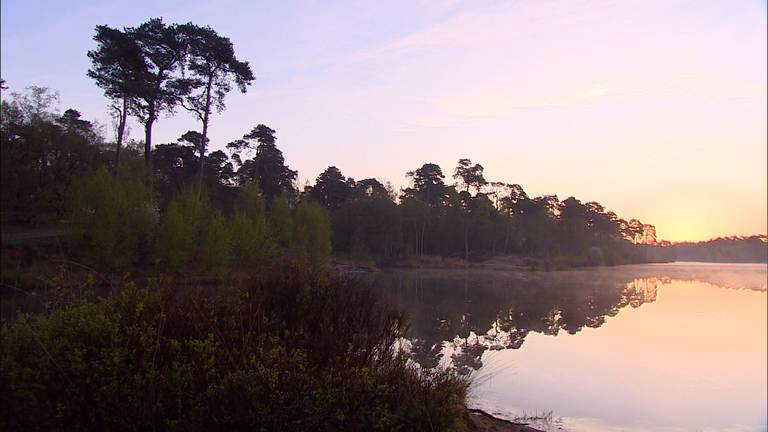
[[280, 221], [216, 245], [115, 218], [182, 227], [311, 232], [248, 227], [296, 350]]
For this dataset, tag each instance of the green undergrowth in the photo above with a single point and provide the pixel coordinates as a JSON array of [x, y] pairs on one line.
[[295, 349]]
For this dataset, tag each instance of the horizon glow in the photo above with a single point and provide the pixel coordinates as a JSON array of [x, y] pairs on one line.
[[657, 110]]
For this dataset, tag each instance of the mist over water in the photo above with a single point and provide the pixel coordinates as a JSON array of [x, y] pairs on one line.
[[677, 346]]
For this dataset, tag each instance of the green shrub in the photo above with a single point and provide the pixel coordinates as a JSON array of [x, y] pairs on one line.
[[296, 350], [182, 227], [116, 219], [311, 237], [248, 227], [250, 202], [216, 245], [280, 221]]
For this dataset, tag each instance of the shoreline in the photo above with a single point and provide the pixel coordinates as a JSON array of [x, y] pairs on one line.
[[481, 421], [498, 263]]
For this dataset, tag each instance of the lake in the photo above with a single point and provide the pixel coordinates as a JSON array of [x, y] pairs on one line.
[[662, 347]]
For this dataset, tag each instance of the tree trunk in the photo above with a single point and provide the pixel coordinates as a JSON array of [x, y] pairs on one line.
[[423, 228], [466, 242], [206, 118], [416, 237], [148, 144], [506, 239], [202, 153], [121, 132]]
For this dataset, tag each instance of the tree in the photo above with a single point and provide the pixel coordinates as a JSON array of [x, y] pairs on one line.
[[267, 168], [250, 232], [214, 68], [428, 185], [367, 221], [156, 86], [371, 187], [470, 175], [635, 231], [331, 188], [116, 64], [311, 237], [574, 225], [175, 165], [649, 234], [41, 151]]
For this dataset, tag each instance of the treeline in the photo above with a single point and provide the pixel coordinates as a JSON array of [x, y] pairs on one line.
[[60, 166], [177, 204], [751, 249], [472, 219]]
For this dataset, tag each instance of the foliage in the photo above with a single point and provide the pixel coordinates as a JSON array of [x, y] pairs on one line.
[[115, 218], [721, 249], [41, 152], [216, 245], [213, 67], [296, 350], [150, 69], [249, 229], [281, 220], [311, 237], [182, 227], [267, 167]]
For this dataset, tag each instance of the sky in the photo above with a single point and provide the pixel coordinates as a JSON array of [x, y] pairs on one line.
[[655, 109]]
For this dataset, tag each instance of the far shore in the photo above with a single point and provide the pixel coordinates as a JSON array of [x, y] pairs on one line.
[[481, 421], [507, 263]]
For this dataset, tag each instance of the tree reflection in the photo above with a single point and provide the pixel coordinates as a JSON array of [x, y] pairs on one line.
[[464, 314]]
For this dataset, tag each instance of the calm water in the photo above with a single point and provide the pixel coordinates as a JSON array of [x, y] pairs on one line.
[[654, 347]]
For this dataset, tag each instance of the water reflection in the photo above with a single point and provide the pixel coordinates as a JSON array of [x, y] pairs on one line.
[[654, 347], [457, 316]]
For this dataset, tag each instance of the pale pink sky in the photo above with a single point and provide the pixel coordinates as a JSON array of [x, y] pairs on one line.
[[656, 109]]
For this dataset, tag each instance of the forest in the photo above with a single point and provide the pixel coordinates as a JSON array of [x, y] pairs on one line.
[[135, 203], [735, 249]]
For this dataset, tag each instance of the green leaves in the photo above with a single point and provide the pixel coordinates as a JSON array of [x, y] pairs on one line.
[[295, 350]]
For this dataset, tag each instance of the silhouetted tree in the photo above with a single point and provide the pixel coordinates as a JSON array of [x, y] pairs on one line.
[[116, 66], [41, 152], [214, 68], [428, 185], [331, 188], [470, 175], [158, 85], [267, 167]]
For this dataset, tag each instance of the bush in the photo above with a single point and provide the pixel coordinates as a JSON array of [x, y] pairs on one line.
[[280, 221], [116, 219], [296, 350], [182, 227], [248, 227], [311, 237], [216, 245]]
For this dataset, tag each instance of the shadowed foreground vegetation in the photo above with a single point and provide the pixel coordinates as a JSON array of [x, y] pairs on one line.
[[293, 349]]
